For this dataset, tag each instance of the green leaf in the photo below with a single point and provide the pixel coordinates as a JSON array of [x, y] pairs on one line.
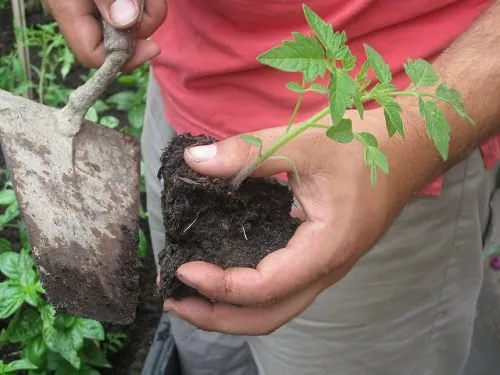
[[342, 132], [19, 365], [438, 128], [27, 327], [66, 342], [363, 72], [342, 91], [305, 55], [367, 139], [128, 79], [453, 97], [393, 119], [374, 158], [36, 351], [90, 329], [109, 122], [101, 106], [92, 115], [64, 321], [7, 197], [11, 298], [319, 88], [94, 355], [330, 40], [9, 265], [381, 69], [136, 116], [47, 313], [421, 73], [5, 246], [67, 62], [255, 141], [10, 214], [143, 244], [295, 87], [123, 100]]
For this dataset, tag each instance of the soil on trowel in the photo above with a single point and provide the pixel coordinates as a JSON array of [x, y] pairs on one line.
[[206, 220]]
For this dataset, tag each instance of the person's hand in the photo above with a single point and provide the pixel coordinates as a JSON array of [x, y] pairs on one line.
[[345, 216], [79, 22]]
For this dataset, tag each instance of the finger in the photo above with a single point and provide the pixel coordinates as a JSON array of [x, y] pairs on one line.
[[228, 157], [82, 30], [311, 255], [122, 14], [220, 317], [145, 50], [155, 13]]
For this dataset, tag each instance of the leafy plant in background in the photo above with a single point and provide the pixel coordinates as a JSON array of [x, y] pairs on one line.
[[326, 53]]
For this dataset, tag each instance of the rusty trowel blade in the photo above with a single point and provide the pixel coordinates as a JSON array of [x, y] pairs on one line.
[[79, 199]]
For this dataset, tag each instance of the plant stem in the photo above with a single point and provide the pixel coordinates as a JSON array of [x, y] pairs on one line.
[[297, 107], [249, 168], [43, 68]]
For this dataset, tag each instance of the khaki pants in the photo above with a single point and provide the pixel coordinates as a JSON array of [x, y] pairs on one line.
[[407, 308]]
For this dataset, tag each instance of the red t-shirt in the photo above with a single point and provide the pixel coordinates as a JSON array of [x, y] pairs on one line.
[[212, 83]]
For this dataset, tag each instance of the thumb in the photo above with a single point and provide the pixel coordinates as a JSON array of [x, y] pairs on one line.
[[121, 14], [227, 158]]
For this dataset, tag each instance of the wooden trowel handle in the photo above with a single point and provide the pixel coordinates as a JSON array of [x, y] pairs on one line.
[[119, 46]]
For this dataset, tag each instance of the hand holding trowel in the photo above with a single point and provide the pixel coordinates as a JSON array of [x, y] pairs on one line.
[[77, 184]]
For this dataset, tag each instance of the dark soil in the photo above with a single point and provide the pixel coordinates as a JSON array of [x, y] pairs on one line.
[[205, 220]]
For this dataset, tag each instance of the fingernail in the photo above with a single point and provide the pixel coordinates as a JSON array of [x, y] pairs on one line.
[[202, 153], [123, 12]]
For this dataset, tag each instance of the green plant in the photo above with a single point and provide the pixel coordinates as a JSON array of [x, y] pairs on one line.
[[12, 77], [52, 343], [326, 53], [56, 63], [3, 3]]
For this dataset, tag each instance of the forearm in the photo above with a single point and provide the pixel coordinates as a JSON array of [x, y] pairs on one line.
[[471, 65]]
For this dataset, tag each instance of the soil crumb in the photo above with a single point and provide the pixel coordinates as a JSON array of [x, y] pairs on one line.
[[206, 221]]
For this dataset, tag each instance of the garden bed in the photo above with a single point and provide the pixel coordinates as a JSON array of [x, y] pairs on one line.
[[115, 113]]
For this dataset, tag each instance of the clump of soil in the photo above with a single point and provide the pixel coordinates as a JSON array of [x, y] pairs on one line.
[[206, 220]]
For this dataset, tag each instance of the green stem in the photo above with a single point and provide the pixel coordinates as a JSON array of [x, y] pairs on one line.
[[43, 68], [297, 107], [249, 168]]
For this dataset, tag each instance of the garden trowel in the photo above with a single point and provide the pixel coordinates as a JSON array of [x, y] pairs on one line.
[[77, 184]]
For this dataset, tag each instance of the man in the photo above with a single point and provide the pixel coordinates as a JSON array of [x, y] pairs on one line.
[[377, 280]]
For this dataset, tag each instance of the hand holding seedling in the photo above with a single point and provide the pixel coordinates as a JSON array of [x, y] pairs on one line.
[[347, 206], [76, 19]]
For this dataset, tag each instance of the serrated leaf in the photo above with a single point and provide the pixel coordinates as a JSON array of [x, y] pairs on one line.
[[363, 72], [376, 159], [367, 139], [295, 87], [324, 32], [342, 90], [10, 214], [342, 132], [304, 55], [319, 88], [255, 141], [9, 265], [93, 355], [421, 73], [380, 68], [393, 119], [453, 97], [437, 126]]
